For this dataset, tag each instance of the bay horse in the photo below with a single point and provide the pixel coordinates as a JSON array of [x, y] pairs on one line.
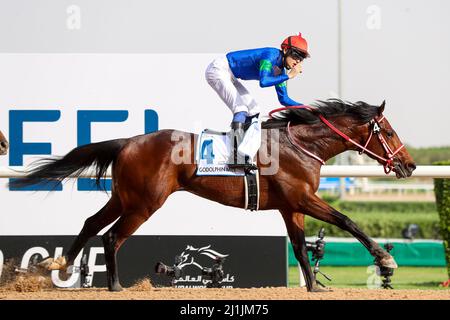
[[144, 175], [3, 144]]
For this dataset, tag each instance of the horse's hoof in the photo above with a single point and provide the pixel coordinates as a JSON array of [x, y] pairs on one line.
[[116, 288], [53, 264], [46, 263], [320, 289], [389, 262], [62, 262]]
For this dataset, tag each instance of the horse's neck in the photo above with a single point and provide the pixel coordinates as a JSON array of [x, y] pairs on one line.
[[324, 143]]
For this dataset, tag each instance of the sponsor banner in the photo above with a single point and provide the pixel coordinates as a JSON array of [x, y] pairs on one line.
[[245, 261], [406, 252]]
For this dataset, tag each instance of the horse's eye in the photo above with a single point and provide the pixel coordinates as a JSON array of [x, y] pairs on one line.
[[389, 133]]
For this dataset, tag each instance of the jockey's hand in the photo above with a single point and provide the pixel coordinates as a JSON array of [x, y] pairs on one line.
[[295, 71]]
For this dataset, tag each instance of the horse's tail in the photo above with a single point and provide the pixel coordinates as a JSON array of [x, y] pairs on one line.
[[52, 170]]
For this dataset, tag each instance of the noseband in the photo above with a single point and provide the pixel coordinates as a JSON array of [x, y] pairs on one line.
[[388, 160]]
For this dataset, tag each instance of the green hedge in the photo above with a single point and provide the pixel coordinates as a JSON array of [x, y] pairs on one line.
[[442, 192], [382, 219], [427, 156], [375, 206], [381, 224]]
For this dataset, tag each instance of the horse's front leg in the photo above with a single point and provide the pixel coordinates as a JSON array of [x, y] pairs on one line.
[[315, 207], [295, 225]]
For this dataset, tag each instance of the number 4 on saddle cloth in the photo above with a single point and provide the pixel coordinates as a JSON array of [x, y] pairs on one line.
[[214, 151]]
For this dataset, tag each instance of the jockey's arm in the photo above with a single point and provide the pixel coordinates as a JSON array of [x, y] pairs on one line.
[[266, 77], [283, 97]]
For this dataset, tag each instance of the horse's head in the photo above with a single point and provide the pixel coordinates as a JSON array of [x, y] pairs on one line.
[[360, 126], [3, 144], [383, 144]]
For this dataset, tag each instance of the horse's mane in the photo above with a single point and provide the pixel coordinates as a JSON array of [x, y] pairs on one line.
[[330, 108]]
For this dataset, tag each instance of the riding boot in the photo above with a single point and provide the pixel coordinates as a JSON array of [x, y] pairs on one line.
[[248, 121], [238, 161]]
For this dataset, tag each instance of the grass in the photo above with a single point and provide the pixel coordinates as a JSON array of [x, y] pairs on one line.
[[423, 278]]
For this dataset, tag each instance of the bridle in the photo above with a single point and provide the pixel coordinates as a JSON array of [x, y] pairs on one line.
[[388, 159], [376, 129]]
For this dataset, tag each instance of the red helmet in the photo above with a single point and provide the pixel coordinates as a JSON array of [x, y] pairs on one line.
[[296, 42]]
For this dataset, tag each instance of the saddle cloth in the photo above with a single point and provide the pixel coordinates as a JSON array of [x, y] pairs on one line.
[[213, 152]]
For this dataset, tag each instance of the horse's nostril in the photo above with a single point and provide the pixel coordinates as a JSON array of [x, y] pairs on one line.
[[4, 145], [411, 166]]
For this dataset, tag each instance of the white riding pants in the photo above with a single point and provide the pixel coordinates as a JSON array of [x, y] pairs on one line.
[[230, 90]]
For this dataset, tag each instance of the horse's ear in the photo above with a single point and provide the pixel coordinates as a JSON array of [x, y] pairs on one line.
[[381, 109]]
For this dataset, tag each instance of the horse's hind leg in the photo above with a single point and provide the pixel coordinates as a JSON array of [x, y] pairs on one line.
[[92, 226], [116, 236]]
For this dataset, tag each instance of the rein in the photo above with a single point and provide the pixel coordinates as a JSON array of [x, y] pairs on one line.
[[388, 161]]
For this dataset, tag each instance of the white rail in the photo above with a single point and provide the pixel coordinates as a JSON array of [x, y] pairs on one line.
[[327, 171], [377, 171]]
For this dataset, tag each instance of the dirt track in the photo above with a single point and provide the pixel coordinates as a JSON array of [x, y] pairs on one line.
[[37, 287], [225, 294]]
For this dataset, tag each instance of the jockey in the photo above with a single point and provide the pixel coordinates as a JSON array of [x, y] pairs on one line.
[[267, 65]]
